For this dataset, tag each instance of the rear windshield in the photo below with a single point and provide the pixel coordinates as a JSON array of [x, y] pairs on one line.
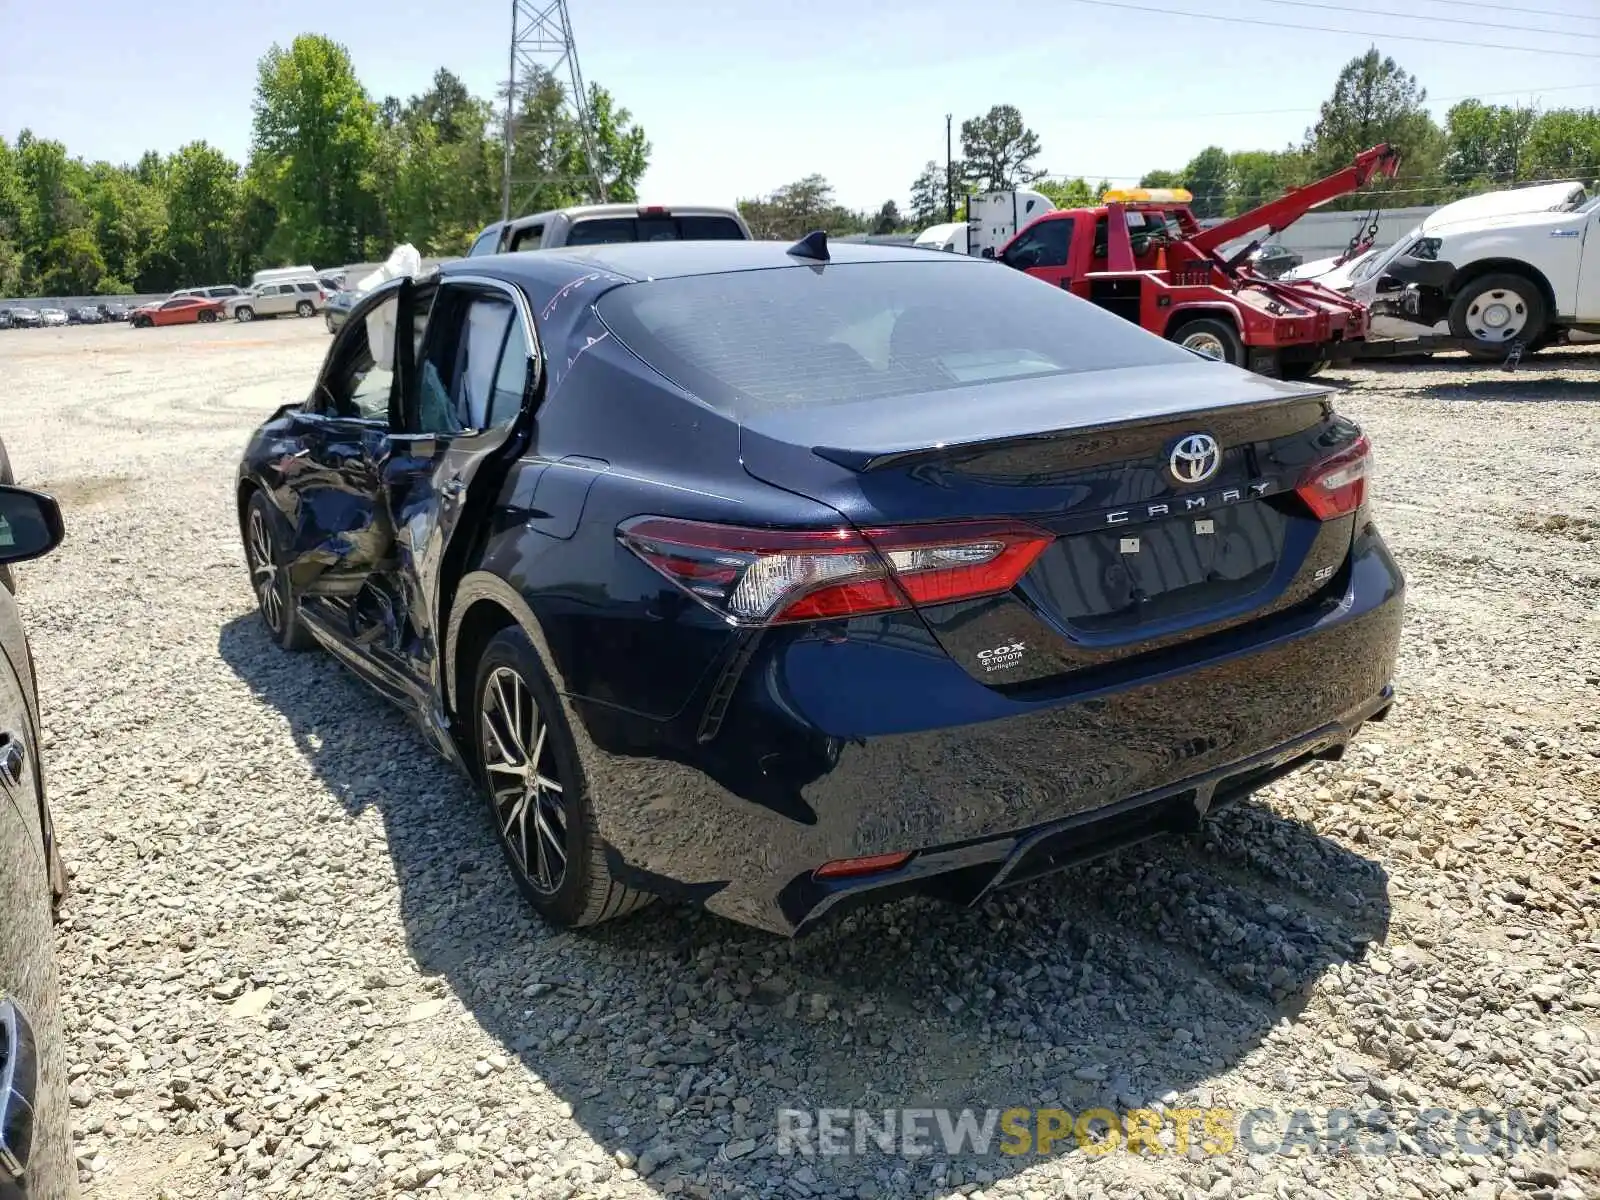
[[601, 231], [748, 341]]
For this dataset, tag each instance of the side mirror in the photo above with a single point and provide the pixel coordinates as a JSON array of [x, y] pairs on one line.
[[988, 251], [30, 524]]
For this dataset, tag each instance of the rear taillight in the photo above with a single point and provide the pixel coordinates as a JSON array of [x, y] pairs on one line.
[[1337, 485], [767, 577]]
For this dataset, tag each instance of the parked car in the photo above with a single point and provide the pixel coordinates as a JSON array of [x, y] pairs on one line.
[[5, 318], [780, 582], [1273, 259], [301, 297], [52, 316], [26, 318], [86, 314], [180, 310], [338, 308], [221, 291], [35, 1145], [114, 312], [598, 224]]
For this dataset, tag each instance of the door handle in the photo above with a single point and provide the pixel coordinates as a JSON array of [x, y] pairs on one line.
[[19, 1084], [13, 758]]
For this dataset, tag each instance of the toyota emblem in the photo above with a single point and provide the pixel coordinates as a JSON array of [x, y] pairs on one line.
[[1195, 458]]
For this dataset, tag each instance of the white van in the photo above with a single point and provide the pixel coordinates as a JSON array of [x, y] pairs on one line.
[[282, 275], [950, 237]]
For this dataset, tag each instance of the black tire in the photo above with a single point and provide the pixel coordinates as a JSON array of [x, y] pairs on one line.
[[305, 309], [1474, 312], [1211, 332], [142, 322], [207, 317], [504, 725], [244, 313], [275, 598]]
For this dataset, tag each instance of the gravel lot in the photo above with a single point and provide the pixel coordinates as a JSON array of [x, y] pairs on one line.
[[294, 964]]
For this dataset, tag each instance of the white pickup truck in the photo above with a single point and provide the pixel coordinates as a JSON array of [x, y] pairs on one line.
[[1512, 267]]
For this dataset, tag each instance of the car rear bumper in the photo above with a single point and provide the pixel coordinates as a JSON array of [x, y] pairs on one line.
[[741, 820]]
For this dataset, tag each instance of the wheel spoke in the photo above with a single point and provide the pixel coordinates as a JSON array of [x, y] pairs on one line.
[[515, 742]]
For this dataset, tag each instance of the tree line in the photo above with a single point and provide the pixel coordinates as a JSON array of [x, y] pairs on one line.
[[333, 177], [1479, 147]]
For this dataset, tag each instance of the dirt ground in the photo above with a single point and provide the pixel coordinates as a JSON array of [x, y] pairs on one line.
[[294, 965]]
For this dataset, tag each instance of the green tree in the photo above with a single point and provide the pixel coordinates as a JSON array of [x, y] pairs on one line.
[[621, 149], [315, 141], [999, 149], [71, 265], [888, 219], [797, 209], [1261, 175], [1374, 101], [1209, 177], [928, 192], [1485, 143], [1161, 179], [1564, 144], [1069, 193], [202, 212]]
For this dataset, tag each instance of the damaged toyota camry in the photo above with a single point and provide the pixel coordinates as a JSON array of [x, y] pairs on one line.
[[777, 579]]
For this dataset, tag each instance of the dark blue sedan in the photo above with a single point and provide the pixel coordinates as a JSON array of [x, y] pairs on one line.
[[776, 578]]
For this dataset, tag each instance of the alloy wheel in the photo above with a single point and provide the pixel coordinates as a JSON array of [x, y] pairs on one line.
[[520, 769], [264, 572]]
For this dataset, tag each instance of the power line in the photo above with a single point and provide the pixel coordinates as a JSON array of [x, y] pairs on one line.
[[1397, 37], [1533, 12], [1272, 112], [1345, 8]]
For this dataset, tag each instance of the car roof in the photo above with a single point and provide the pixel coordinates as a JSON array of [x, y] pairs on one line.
[[639, 261]]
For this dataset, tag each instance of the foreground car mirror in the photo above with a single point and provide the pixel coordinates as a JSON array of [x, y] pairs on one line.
[[30, 524]]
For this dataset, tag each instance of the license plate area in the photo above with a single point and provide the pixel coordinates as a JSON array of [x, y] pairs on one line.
[[1111, 579]]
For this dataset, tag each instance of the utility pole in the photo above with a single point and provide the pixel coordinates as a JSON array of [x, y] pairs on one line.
[[542, 43], [949, 172]]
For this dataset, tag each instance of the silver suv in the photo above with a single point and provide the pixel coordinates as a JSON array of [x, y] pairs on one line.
[[221, 291], [303, 297]]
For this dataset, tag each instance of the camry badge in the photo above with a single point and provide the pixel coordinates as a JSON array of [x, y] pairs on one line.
[[1195, 458]]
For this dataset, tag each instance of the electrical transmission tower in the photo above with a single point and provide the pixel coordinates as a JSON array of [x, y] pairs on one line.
[[542, 43]]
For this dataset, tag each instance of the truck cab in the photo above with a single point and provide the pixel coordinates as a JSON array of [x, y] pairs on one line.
[[598, 224], [1143, 255]]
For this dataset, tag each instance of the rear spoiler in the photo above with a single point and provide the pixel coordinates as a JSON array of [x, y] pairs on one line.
[[865, 461]]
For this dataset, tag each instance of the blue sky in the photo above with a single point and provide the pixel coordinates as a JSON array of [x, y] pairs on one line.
[[741, 97]]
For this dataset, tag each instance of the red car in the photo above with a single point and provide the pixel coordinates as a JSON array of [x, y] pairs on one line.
[[180, 310]]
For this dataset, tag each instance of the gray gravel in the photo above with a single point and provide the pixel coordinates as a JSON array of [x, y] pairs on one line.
[[295, 965]]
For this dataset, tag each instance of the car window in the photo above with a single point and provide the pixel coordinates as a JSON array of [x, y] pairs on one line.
[[603, 231], [527, 239], [487, 240], [309, 287], [749, 341], [1045, 244], [460, 366], [353, 385], [179, 303], [511, 379], [710, 229]]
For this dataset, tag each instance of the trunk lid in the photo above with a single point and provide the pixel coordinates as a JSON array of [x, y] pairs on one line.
[[1142, 561]]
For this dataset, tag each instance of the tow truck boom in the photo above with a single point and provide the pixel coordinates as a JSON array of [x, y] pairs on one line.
[[1279, 214]]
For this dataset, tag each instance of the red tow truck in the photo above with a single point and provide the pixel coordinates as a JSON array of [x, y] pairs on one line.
[[1143, 255]]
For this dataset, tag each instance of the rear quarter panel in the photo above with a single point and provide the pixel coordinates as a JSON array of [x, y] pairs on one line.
[[613, 440]]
